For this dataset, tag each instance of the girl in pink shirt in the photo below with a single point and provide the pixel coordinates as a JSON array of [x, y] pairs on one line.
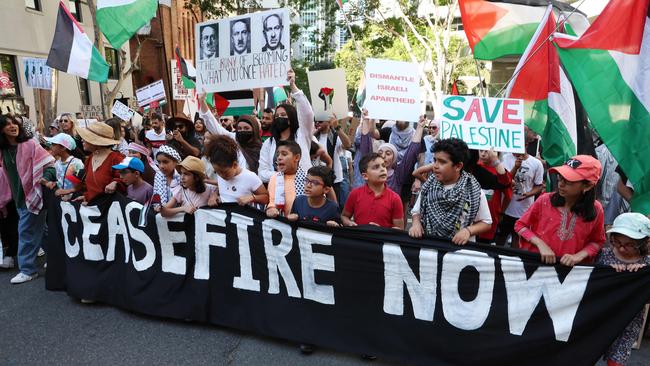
[[568, 223]]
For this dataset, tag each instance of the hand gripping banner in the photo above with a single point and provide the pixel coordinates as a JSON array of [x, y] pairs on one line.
[[363, 290]]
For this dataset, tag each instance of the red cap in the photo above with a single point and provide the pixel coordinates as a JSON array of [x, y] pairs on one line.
[[580, 167]]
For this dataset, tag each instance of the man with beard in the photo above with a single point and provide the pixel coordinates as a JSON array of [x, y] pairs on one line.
[[273, 33], [209, 42], [240, 36], [267, 122]]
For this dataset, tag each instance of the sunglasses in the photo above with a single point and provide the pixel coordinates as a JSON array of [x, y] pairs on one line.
[[179, 126]]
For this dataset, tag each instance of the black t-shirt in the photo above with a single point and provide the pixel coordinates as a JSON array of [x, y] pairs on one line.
[[329, 211]]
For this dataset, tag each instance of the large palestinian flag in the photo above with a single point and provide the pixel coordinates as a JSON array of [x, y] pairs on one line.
[[119, 20], [496, 29], [73, 52], [610, 68], [548, 95]]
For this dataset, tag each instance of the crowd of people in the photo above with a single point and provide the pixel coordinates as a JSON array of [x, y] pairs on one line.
[[391, 174]]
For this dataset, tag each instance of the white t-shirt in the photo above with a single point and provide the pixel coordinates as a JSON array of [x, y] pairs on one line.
[[483, 214], [336, 164], [156, 140], [529, 175], [240, 185]]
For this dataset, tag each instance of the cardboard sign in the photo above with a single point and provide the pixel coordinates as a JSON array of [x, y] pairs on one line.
[[122, 111], [150, 93], [244, 52], [484, 123], [178, 89], [37, 74], [91, 111], [392, 90], [329, 94], [86, 122]]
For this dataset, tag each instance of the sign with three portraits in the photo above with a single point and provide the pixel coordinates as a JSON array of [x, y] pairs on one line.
[[243, 52]]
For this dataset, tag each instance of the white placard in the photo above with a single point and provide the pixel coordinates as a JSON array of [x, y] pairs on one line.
[[122, 111], [484, 123], [244, 52], [392, 90], [150, 93], [37, 73], [178, 89], [329, 93]]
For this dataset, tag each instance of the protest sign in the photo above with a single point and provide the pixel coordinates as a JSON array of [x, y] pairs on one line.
[[392, 90], [484, 123], [363, 290], [122, 111], [91, 111], [329, 93], [83, 122], [150, 93], [244, 52], [37, 74], [178, 89]]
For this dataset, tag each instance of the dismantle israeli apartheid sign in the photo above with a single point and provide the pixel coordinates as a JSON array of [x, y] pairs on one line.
[[362, 290]]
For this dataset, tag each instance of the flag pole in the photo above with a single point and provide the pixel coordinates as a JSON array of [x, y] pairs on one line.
[[354, 39], [480, 80]]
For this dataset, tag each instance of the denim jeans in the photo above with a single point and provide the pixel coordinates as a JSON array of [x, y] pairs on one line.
[[30, 235]]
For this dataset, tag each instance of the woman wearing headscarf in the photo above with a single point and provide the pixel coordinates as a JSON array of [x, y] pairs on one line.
[[24, 164]]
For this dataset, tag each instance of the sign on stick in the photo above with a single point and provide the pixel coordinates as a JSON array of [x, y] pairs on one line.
[[392, 90]]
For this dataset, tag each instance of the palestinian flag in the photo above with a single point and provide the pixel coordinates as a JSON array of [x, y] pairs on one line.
[[72, 52], [496, 29], [188, 72], [547, 93], [119, 20], [609, 66], [274, 96], [341, 3], [232, 103]]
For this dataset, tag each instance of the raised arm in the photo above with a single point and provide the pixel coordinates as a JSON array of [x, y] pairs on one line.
[[211, 122]]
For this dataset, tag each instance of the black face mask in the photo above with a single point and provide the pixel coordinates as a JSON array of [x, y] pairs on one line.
[[280, 123], [243, 136]]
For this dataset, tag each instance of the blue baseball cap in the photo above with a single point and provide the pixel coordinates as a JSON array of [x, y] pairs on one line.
[[130, 163]]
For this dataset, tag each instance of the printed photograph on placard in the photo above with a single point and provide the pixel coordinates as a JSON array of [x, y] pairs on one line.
[[209, 41], [240, 36], [243, 52], [272, 30]]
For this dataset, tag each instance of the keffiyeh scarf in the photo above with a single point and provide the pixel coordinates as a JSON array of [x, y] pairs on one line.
[[443, 209], [299, 181]]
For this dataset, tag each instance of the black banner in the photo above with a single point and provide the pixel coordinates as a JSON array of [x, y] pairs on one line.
[[363, 290]]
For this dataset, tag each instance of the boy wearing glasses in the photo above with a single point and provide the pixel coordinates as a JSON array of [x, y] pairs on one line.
[[314, 206]]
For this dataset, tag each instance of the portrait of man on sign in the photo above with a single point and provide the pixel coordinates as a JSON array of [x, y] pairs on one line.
[[240, 36], [209, 47], [273, 33]]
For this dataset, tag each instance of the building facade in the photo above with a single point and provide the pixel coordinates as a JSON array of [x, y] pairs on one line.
[[27, 28]]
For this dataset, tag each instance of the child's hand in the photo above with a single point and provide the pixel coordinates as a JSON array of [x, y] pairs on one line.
[[111, 187], [157, 208], [571, 260], [461, 237], [635, 267], [332, 223], [350, 223], [548, 255], [78, 199], [189, 209], [416, 231], [50, 185], [214, 200], [244, 200], [272, 212], [292, 217], [619, 267], [59, 192]]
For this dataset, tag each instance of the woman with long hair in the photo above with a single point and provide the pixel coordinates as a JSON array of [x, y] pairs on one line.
[[68, 124], [568, 223], [25, 164]]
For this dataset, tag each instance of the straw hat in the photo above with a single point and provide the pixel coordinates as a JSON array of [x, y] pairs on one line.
[[193, 164], [99, 134]]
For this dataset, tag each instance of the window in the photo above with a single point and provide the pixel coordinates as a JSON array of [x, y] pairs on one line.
[[33, 4], [8, 69], [84, 91], [113, 63], [75, 9]]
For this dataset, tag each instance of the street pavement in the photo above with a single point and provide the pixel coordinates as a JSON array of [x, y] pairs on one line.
[[42, 327]]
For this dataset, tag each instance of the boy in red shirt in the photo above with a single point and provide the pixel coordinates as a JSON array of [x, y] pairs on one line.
[[373, 203]]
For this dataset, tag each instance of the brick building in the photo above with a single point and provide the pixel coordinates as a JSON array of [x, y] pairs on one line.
[[172, 26]]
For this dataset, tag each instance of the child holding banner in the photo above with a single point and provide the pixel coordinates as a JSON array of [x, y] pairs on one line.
[[451, 203], [628, 252], [167, 180], [568, 223], [288, 182], [236, 183], [194, 193]]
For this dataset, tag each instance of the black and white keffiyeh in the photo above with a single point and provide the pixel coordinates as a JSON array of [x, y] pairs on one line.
[[441, 210], [299, 182]]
